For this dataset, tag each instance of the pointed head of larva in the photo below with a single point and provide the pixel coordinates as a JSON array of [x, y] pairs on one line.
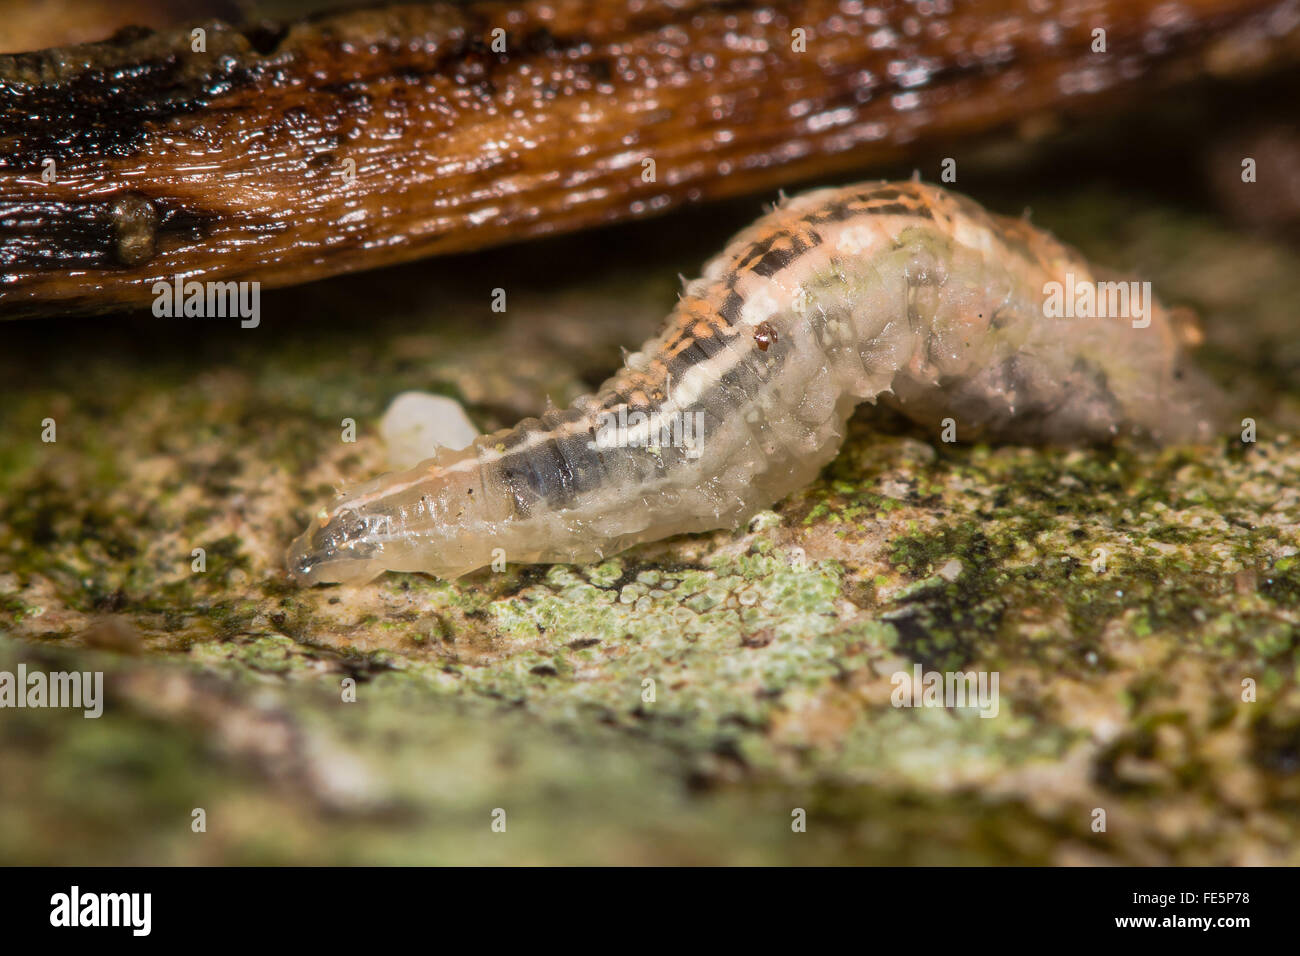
[[340, 545], [430, 519]]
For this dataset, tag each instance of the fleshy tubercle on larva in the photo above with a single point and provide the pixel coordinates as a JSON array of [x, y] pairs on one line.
[[899, 292]]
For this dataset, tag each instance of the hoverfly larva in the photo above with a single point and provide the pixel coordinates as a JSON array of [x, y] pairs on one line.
[[896, 291]]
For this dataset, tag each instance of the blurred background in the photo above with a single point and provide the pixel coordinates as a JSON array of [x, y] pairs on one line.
[[771, 648]]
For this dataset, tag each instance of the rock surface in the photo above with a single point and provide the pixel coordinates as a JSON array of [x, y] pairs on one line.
[[1123, 595]]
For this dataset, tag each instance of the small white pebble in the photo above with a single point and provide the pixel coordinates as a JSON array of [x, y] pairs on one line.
[[417, 424], [951, 571]]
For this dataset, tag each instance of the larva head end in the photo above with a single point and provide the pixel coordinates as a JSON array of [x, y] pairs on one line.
[[336, 547]]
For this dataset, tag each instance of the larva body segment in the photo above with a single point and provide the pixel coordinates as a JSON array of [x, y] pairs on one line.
[[901, 291]]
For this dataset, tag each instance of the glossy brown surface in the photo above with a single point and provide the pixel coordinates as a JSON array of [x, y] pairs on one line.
[[237, 162]]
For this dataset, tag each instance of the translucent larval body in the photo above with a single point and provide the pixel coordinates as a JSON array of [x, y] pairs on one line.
[[902, 292]]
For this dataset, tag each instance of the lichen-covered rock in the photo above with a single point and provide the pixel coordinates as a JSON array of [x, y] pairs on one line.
[[682, 702]]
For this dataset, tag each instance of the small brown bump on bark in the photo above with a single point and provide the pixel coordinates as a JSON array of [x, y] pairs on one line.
[[135, 223]]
